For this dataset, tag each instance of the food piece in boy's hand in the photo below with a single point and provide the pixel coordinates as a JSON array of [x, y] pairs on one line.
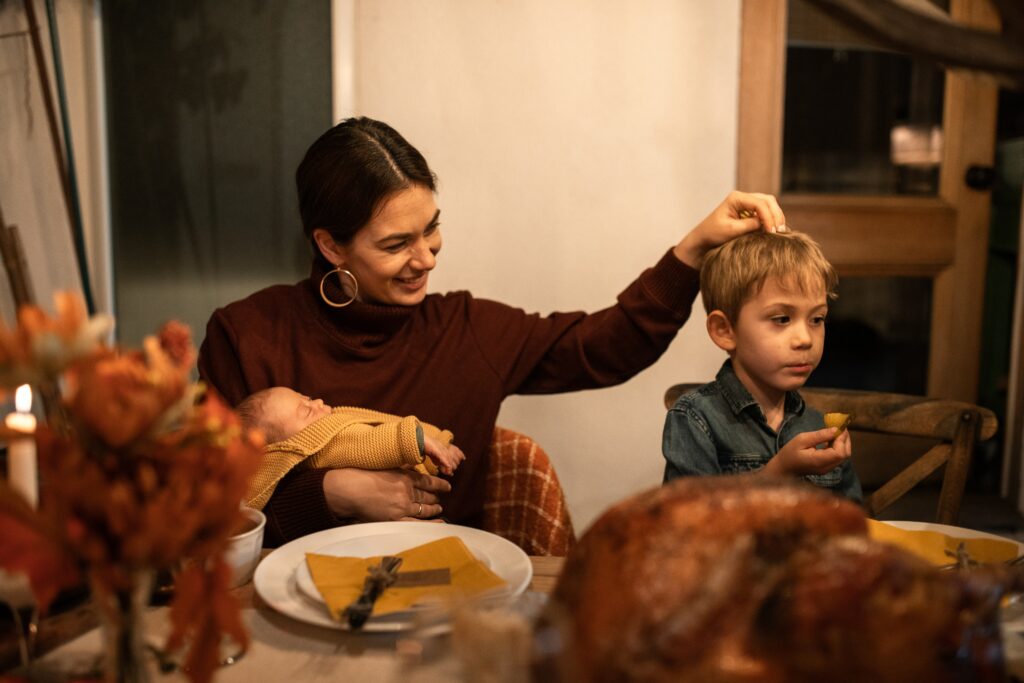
[[838, 421]]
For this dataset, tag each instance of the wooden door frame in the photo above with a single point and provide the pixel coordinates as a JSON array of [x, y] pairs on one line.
[[945, 237]]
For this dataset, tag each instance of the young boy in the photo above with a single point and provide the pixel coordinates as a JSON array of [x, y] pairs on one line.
[[767, 297], [301, 431]]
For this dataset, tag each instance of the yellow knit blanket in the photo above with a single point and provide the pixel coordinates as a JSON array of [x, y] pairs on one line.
[[348, 437]]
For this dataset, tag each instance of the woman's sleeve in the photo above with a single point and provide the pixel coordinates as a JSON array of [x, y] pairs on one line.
[[298, 507], [218, 363], [571, 351]]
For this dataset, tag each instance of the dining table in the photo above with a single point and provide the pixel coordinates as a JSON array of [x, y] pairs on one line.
[[284, 649], [281, 648]]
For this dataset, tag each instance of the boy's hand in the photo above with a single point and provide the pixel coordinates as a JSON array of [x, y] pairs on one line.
[[801, 456], [447, 456]]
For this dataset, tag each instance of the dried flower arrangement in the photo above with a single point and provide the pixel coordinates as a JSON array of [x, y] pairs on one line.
[[142, 471]]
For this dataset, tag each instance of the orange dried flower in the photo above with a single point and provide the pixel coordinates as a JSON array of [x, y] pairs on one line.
[[40, 347], [140, 475], [176, 340]]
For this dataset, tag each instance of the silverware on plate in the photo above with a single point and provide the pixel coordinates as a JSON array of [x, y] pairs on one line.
[[378, 578]]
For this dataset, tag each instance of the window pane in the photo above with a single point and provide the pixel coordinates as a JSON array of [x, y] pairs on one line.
[[211, 104], [859, 119], [877, 336]]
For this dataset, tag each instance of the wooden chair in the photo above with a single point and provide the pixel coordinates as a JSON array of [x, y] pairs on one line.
[[524, 501], [952, 430]]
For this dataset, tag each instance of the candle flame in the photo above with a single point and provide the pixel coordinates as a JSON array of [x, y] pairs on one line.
[[23, 399]]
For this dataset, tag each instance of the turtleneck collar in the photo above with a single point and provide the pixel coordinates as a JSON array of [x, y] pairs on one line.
[[361, 327]]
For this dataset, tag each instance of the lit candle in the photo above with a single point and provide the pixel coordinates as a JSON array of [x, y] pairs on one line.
[[21, 449]]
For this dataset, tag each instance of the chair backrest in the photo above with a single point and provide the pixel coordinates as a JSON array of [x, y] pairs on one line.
[[524, 502], [956, 426]]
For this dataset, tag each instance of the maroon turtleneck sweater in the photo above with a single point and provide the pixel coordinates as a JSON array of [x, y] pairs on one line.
[[450, 361]]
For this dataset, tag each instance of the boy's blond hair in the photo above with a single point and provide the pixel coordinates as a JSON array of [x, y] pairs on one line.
[[735, 271]]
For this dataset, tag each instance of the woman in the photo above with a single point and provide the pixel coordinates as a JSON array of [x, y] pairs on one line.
[[363, 331]]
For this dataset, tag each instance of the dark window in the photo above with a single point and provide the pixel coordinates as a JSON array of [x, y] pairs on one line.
[[211, 104], [859, 119], [876, 337]]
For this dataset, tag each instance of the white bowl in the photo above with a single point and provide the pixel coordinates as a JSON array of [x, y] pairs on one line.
[[244, 549]]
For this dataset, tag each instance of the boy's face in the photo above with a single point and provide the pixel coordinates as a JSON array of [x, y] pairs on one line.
[[288, 412], [778, 337]]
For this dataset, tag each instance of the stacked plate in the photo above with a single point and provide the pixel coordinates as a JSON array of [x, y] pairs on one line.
[[282, 579]]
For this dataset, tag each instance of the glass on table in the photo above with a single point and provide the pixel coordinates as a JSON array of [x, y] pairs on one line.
[[16, 596], [498, 639]]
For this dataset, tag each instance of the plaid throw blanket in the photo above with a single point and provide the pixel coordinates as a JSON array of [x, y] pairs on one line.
[[524, 502]]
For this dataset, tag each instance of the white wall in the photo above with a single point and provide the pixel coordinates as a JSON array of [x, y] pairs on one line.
[[575, 142]]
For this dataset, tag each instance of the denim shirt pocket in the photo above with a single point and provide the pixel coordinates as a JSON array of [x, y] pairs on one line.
[[829, 480], [737, 463]]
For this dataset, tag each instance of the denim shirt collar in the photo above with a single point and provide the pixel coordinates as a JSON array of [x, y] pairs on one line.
[[739, 399]]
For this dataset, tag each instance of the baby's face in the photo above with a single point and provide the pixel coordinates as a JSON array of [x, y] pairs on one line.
[[288, 412]]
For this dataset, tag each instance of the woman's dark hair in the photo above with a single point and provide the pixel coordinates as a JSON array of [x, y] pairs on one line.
[[350, 171]]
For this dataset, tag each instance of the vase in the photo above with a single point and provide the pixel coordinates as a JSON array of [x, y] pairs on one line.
[[122, 629]]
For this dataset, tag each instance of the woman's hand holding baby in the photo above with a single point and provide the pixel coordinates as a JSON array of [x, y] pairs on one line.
[[801, 456], [446, 456], [383, 495], [740, 213]]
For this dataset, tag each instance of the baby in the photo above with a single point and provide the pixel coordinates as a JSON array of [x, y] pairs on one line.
[[305, 432], [767, 297]]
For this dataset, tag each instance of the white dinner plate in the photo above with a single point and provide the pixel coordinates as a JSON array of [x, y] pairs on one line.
[[953, 531], [277, 577]]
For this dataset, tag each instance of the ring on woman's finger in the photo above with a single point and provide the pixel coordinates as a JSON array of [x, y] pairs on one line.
[[419, 510]]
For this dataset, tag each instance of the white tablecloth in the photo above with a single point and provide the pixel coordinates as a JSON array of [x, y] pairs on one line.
[[283, 649]]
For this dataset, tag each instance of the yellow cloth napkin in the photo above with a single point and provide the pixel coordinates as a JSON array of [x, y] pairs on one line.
[[340, 579], [932, 545]]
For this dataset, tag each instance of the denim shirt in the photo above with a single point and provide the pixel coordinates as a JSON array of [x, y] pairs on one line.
[[720, 429]]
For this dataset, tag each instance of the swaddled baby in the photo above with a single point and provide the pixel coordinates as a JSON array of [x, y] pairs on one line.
[[305, 432]]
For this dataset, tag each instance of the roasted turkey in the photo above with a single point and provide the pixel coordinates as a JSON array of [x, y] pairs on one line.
[[747, 579]]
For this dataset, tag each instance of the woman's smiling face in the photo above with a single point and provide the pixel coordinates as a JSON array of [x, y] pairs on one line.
[[392, 255]]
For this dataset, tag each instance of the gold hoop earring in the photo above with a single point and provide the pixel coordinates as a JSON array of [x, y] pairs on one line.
[[341, 274]]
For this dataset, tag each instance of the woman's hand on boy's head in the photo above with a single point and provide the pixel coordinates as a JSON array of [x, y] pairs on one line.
[[447, 456], [802, 455], [738, 214]]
